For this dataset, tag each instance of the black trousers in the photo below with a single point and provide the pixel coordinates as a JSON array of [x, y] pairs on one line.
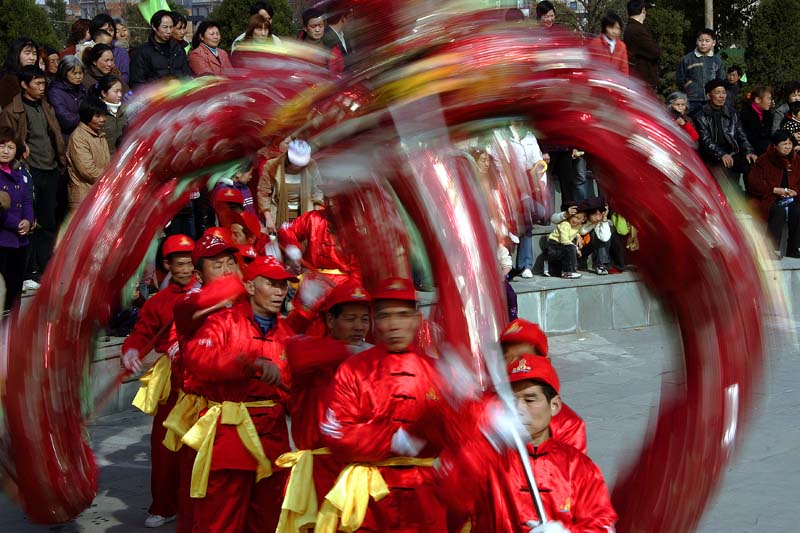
[[12, 268], [778, 216], [46, 185], [563, 257], [572, 176], [600, 251]]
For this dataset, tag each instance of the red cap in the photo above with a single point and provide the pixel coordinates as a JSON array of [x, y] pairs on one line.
[[520, 330], [176, 244], [210, 245], [247, 250], [395, 289], [267, 267], [531, 366], [348, 292], [249, 222], [229, 195], [223, 233]]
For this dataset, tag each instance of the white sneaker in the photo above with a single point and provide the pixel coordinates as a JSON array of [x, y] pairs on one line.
[[571, 275], [527, 274], [30, 285], [155, 520]]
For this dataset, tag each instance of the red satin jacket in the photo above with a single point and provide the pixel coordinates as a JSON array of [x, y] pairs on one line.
[[569, 428], [494, 487], [374, 394], [323, 250], [218, 365]]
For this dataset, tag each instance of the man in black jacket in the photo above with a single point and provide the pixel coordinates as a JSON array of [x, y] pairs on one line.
[[161, 56], [643, 50], [723, 143], [337, 18]]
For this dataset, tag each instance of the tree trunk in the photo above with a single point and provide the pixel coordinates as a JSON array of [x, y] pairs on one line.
[[709, 14]]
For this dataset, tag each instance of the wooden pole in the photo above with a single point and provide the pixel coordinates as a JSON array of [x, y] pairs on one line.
[[709, 10]]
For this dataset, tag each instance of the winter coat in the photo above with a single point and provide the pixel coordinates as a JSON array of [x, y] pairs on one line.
[[14, 116], [618, 58], [694, 71], [66, 100], [15, 183], [778, 117], [757, 128], [9, 88], [767, 173], [202, 61], [713, 140], [153, 61], [643, 52], [115, 127], [88, 157]]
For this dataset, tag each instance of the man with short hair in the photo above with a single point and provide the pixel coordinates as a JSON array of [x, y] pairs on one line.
[[723, 143], [162, 383], [643, 49], [484, 474], [697, 68], [160, 56], [34, 121], [313, 362], [523, 337], [337, 19], [375, 400]]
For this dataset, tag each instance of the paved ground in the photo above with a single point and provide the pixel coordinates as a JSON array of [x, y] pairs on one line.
[[612, 379]]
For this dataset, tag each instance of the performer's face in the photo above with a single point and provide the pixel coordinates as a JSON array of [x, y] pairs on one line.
[[215, 267], [513, 351], [534, 410], [180, 268], [396, 323], [351, 325], [267, 295]]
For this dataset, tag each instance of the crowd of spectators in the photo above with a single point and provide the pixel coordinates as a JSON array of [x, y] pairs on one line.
[[64, 114]]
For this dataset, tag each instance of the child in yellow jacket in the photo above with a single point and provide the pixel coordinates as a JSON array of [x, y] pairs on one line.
[[564, 246]]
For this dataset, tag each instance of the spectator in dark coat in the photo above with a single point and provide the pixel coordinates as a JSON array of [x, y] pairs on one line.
[[756, 118], [774, 182], [792, 92], [643, 49], [22, 52], [66, 93], [160, 57], [733, 84], [122, 60], [697, 68]]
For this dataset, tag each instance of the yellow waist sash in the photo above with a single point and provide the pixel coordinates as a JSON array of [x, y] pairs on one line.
[[345, 506], [155, 386], [331, 271], [299, 507], [182, 417], [202, 434]]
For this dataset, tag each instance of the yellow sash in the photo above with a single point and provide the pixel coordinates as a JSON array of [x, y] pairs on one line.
[[182, 417], [299, 507], [345, 506], [202, 434], [331, 271], [155, 386]]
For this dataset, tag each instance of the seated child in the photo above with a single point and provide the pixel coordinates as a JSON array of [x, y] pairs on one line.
[[564, 247]]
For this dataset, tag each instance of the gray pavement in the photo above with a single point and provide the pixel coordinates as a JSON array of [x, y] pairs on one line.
[[612, 379]]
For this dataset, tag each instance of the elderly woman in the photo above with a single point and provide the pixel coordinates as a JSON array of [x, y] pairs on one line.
[[87, 152], [206, 57], [677, 104], [66, 93]]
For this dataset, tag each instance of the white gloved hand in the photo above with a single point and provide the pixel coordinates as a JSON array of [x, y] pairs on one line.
[[549, 527], [502, 426], [513, 238], [311, 291], [294, 253], [131, 361], [406, 445]]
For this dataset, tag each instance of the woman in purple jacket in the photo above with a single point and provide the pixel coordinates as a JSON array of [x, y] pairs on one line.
[[66, 93], [16, 219]]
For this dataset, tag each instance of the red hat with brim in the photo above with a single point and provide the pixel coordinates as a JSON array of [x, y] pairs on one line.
[[222, 233], [249, 222], [212, 245], [520, 330], [247, 250], [533, 367], [177, 244], [348, 292], [268, 267], [395, 289], [231, 196]]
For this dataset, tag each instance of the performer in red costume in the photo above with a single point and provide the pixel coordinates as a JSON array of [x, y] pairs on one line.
[[374, 397], [324, 254], [313, 362], [236, 361], [473, 476], [523, 337], [161, 384]]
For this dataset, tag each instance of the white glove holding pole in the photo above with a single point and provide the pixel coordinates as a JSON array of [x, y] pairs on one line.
[[549, 527], [502, 425], [131, 361], [406, 445]]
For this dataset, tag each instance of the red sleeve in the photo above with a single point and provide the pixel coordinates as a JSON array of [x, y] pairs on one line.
[[306, 355], [354, 434], [569, 428], [215, 354], [688, 127], [336, 62], [147, 327], [593, 512], [297, 232]]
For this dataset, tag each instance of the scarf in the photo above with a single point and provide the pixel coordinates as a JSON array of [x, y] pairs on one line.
[[758, 110], [213, 50], [113, 108], [265, 323]]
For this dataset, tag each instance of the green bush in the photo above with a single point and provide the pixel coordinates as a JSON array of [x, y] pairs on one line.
[[24, 18], [773, 48], [668, 27]]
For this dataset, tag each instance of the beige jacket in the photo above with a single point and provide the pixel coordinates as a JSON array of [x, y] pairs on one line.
[[87, 159], [271, 193]]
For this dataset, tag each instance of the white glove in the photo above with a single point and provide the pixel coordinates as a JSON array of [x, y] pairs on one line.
[[549, 527], [311, 291], [131, 361], [294, 253], [502, 426], [406, 445], [513, 238]]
